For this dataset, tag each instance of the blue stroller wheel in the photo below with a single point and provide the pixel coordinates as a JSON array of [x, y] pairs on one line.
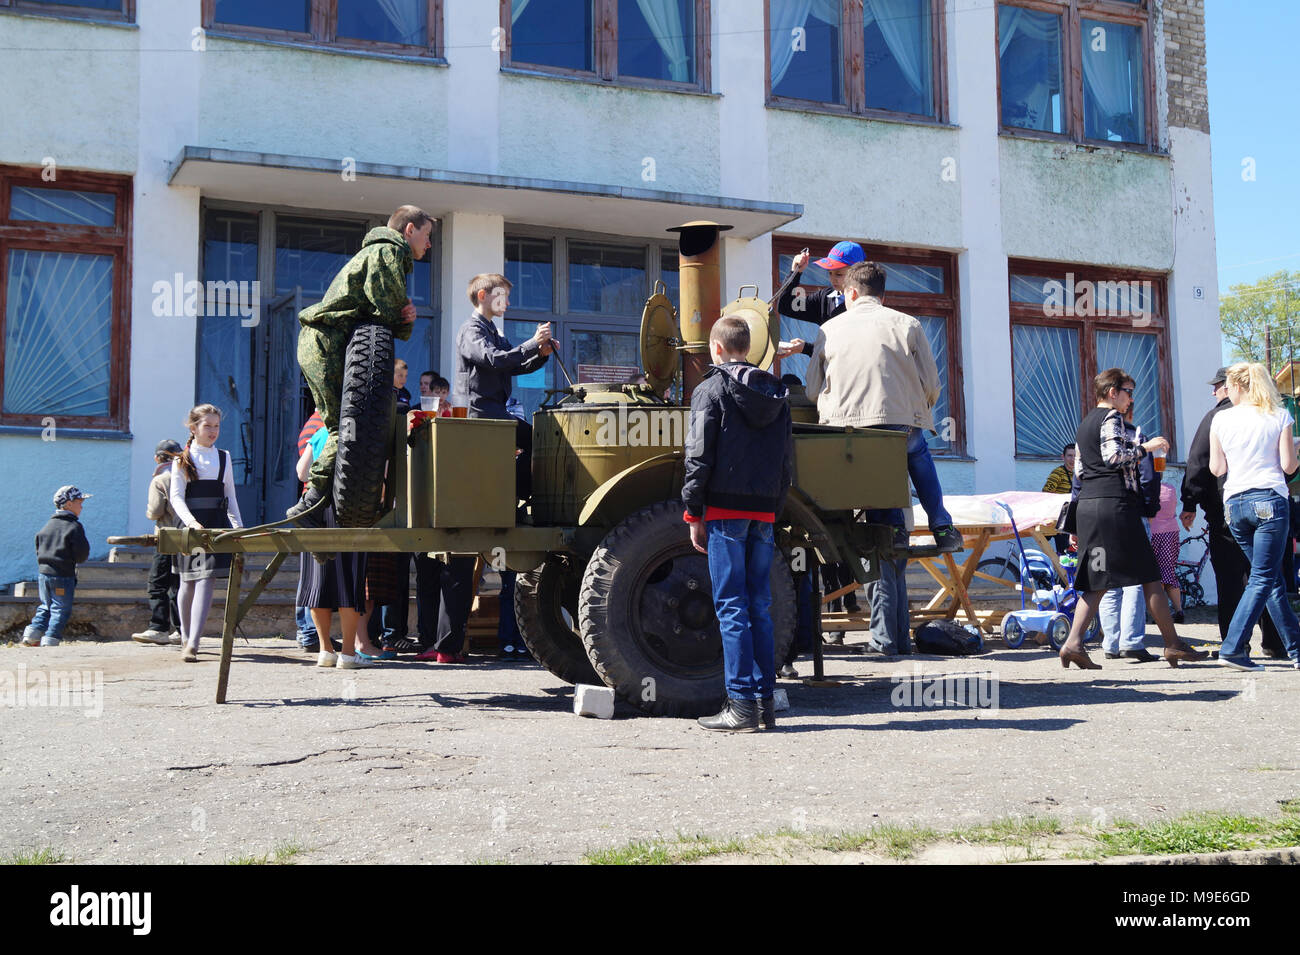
[[1013, 631], [1058, 630], [1093, 633]]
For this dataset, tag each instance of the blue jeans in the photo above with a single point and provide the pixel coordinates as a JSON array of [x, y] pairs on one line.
[[1260, 522], [920, 468], [1123, 613], [740, 566], [55, 609], [306, 629], [889, 612]]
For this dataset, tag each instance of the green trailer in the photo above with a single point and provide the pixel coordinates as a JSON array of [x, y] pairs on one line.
[[609, 588]]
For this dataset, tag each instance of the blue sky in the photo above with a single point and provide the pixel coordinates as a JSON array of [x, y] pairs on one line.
[[1254, 79]]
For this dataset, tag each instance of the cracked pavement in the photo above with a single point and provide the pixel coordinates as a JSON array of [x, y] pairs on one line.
[[413, 762]]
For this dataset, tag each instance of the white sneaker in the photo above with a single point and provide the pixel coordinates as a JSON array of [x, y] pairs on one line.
[[48, 641], [352, 663], [32, 640], [174, 638], [150, 636], [326, 659]]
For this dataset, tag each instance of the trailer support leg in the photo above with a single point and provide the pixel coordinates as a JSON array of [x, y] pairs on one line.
[[819, 670], [240, 609], [231, 620]]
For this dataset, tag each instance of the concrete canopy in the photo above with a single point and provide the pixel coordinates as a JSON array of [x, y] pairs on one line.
[[316, 183]]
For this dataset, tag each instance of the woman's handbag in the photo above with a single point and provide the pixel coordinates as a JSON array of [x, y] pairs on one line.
[[1065, 521]]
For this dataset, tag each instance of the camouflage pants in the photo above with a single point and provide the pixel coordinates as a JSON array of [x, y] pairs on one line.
[[321, 360]]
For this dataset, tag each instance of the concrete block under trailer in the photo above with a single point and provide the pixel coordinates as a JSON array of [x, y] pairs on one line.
[[617, 595]]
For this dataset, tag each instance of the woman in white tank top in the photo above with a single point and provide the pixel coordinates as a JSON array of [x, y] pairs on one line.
[[1252, 444]]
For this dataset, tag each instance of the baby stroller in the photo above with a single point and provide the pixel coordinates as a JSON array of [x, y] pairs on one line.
[[1053, 604], [1188, 573]]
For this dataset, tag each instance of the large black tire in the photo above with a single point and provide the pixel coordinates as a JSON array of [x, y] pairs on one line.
[[365, 427], [646, 615], [541, 599]]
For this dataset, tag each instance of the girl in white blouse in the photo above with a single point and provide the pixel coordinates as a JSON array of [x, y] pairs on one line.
[[202, 495]]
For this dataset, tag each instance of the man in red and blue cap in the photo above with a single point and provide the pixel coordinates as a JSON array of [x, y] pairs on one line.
[[822, 303]]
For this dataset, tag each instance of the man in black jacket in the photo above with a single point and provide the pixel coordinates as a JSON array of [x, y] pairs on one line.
[[739, 463], [1203, 489], [824, 302], [60, 546]]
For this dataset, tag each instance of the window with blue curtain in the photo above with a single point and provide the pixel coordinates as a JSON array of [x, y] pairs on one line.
[[1029, 64], [1114, 93], [1101, 94], [1047, 382]]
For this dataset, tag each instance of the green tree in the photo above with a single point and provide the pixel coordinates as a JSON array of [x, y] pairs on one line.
[[1272, 303]]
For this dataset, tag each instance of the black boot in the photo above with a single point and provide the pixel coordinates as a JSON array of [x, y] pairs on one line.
[[310, 498], [767, 713], [736, 716]]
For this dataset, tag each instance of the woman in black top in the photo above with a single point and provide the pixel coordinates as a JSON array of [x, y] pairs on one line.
[[1114, 550]]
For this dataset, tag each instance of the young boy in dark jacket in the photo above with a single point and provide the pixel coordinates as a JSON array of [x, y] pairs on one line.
[[739, 458], [60, 547]]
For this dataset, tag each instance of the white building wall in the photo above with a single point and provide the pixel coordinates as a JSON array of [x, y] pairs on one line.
[[119, 110]]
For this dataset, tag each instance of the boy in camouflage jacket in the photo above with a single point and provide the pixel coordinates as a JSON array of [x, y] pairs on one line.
[[370, 289]]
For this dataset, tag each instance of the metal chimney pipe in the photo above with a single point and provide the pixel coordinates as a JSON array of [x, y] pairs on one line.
[[699, 262]]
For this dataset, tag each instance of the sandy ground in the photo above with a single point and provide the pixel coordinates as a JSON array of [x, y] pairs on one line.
[[486, 762]]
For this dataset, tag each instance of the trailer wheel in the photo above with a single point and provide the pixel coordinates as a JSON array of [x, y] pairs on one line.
[[546, 608], [365, 427], [646, 615]]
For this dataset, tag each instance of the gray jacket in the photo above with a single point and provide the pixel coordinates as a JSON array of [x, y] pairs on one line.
[[485, 363]]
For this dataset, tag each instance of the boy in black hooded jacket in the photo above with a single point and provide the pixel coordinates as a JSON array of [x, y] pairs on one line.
[[739, 459]]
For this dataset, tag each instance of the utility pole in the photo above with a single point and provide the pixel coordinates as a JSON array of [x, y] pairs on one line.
[[1268, 349]]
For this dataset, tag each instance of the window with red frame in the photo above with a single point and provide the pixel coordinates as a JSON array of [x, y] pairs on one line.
[[1071, 322], [64, 293], [920, 283]]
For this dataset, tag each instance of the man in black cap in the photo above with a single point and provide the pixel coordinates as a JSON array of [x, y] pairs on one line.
[[164, 617], [1200, 487]]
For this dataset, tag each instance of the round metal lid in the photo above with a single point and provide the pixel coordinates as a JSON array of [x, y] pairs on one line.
[[658, 338], [763, 328]]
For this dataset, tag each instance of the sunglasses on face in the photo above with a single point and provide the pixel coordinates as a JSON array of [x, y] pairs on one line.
[[1127, 391]]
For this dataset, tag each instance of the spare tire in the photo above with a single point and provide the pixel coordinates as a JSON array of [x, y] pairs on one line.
[[647, 620], [365, 426], [546, 608]]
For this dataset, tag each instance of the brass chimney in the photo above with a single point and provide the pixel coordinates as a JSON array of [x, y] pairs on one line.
[[699, 261]]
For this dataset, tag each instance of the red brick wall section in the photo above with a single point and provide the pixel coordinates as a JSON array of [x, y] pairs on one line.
[[1184, 38]]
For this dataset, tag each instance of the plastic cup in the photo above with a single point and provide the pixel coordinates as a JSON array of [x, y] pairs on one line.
[[429, 403], [1158, 461]]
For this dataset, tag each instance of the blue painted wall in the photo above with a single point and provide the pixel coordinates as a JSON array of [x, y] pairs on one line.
[[34, 469]]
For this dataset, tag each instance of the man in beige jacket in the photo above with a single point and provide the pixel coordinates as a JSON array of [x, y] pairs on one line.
[[872, 367]]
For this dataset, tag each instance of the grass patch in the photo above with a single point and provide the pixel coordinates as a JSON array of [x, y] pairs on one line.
[[662, 852], [1021, 839], [282, 854], [34, 857]]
